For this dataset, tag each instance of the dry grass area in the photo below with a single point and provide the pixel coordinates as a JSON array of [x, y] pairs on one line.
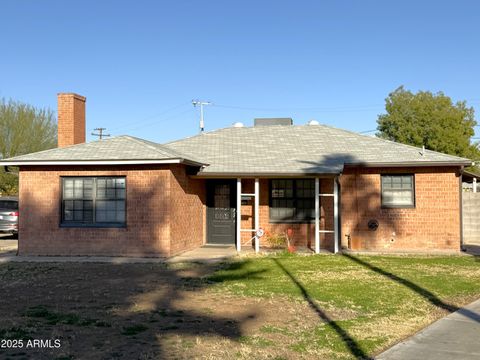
[[273, 307]]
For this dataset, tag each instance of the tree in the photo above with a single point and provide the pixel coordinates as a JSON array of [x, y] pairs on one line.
[[23, 129], [430, 120]]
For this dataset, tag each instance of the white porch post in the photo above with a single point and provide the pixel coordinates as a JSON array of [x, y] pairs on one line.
[[239, 214], [257, 214], [335, 215], [474, 185], [317, 215]]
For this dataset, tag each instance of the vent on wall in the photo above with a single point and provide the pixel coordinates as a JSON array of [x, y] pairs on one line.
[[273, 121]]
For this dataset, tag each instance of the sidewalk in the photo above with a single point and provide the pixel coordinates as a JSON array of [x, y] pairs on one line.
[[456, 336], [204, 254], [8, 246]]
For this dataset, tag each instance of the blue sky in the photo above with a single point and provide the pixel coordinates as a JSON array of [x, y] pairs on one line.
[[140, 63]]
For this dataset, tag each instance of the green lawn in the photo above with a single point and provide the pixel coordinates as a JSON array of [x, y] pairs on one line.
[[360, 304], [257, 307]]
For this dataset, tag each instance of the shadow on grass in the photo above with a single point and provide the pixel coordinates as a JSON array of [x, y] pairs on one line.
[[426, 294], [143, 306], [230, 274], [349, 341], [473, 250]]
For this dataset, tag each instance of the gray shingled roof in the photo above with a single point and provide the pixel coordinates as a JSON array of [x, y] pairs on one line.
[[274, 150], [113, 149], [307, 149]]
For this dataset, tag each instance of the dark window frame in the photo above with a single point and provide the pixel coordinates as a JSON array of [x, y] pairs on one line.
[[399, 206], [93, 224], [294, 198]]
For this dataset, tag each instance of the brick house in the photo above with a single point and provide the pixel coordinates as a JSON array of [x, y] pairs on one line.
[[333, 188]]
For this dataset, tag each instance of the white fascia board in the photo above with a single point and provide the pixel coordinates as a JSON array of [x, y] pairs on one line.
[[91, 162]]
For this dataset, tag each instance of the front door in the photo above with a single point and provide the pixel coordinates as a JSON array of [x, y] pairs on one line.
[[221, 212]]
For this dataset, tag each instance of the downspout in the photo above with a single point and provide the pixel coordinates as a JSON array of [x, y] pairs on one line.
[[339, 194], [460, 188]]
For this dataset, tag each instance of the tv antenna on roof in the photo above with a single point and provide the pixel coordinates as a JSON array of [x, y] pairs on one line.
[[100, 134], [201, 104]]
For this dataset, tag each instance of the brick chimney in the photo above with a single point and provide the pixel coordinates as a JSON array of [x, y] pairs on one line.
[[71, 119]]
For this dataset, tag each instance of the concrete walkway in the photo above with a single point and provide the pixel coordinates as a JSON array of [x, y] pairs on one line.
[[205, 254], [8, 247], [456, 336]]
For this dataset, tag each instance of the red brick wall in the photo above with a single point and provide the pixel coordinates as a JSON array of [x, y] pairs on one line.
[[166, 213], [434, 223], [187, 211], [71, 119], [150, 210]]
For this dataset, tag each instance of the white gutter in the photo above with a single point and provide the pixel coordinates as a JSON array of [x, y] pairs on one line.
[[98, 162], [423, 163]]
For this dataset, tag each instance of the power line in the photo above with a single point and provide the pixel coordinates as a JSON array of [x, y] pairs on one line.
[[152, 116], [162, 120], [367, 131], [313, 109]]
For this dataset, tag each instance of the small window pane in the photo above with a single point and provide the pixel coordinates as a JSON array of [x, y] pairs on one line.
[[88, 216], [78, 215], [120, 205], [88, 205], [100, 216], [121, 183], [68, 215], [120, 194], [120, 216], [68, 205], [101, 193]]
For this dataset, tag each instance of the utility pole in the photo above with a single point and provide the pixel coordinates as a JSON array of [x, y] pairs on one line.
[[201, 104], [100, 134]]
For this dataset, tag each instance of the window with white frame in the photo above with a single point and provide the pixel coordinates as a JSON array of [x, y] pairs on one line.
[[398, 190]]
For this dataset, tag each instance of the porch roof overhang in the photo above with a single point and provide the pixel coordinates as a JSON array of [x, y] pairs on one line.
[[251, 175], [468, 176]]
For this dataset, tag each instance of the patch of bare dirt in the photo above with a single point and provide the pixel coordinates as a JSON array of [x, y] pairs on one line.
[[143, 311]]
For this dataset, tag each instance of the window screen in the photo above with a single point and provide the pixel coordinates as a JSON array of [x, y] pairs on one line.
[[94, 201], [398, 190], [292, 200]]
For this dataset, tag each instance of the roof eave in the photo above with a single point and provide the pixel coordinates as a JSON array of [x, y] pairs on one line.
[[272, 174], [99, 162], [411, 164]]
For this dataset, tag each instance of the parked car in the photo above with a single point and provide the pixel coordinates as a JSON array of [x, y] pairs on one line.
[[9, 215]]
